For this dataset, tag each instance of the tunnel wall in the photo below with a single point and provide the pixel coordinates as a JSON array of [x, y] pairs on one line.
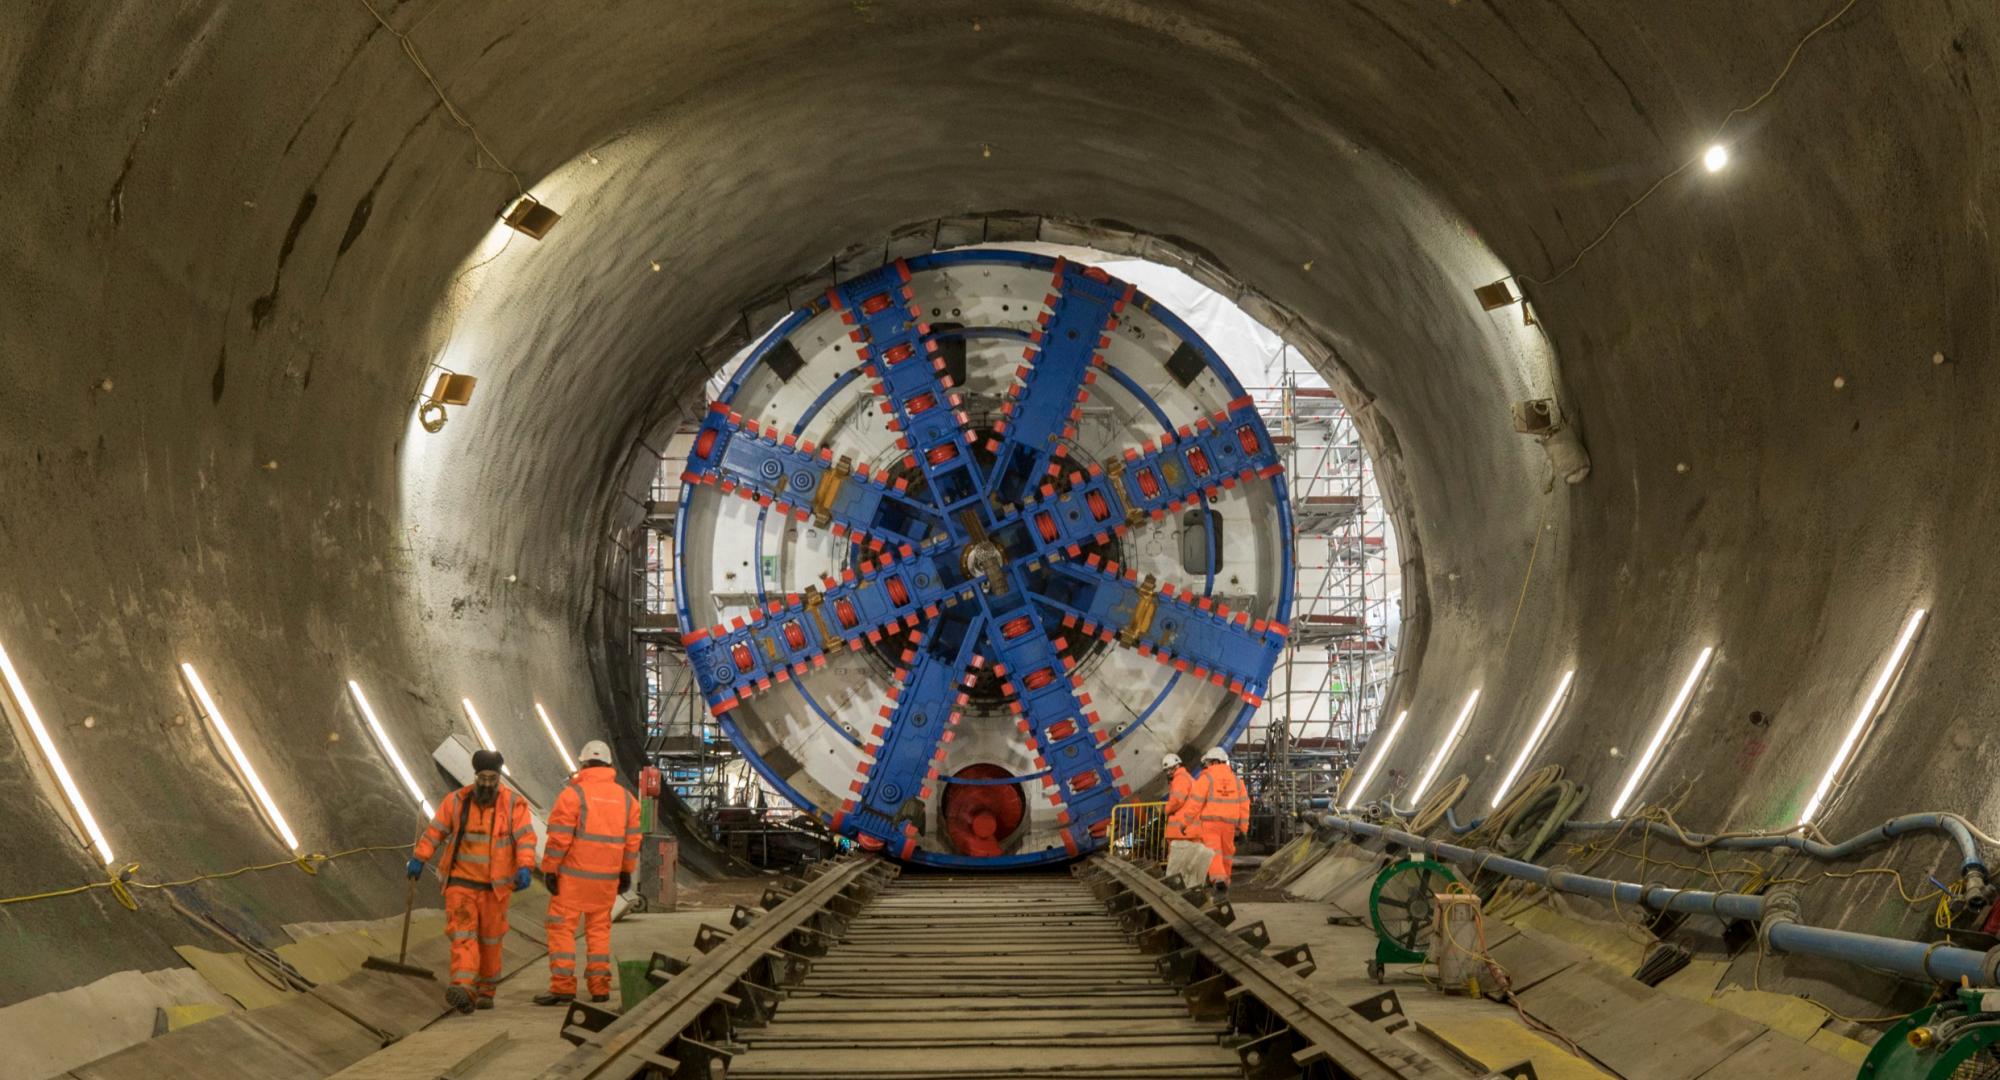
[[261, 227]]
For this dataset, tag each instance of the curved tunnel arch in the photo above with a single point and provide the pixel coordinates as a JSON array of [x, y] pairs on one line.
[[264, 288]]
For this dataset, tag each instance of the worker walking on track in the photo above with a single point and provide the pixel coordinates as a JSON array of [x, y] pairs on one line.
[[592, 851], [485, 847], [1185, 855], [1223, 813]]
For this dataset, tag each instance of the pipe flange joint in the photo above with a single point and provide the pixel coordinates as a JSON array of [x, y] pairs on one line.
[[1781, 905], [1989, 968], [1556, 873], [1646, 894]]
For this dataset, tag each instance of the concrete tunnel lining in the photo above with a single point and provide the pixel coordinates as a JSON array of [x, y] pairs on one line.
[[167, 221]]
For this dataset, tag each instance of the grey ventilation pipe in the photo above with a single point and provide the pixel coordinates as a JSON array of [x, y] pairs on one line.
[[1776, 914]]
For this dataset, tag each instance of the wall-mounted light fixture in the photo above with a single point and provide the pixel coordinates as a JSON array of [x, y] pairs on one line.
[[453, 389], [80, 816], [1444, 749], [1715, 158], [555, 740], [479, 728], [1637, 775], [1388, 740], [388, 748], [1871, 708], [1534, 738], [530, 217], [245, 772]]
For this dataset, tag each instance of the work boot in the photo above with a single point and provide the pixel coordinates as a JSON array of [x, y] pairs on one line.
[[600, 998], [1219, 890], [483, 1003], [553, 998], [459, 998]]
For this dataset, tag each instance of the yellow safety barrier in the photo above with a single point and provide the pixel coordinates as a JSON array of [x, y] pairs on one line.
[[1139, 832]]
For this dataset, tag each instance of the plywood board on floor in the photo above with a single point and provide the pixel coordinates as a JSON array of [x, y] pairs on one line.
[[1585, 999], [315, 1031], [396, 1004], [426, 1054], [1612, 946], [1776, 1057], [1496, 1042], [225, 1048], [1669, 1038], [232, 974], [47, 1034], [1531, 956]]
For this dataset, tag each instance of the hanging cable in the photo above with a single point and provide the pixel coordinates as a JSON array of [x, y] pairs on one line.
[[1685, 165]]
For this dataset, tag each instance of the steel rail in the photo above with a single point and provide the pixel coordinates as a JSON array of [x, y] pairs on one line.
[[1284, 1027], [685, 1026]]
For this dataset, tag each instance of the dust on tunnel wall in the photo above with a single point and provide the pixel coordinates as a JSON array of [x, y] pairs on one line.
[[250, 221]]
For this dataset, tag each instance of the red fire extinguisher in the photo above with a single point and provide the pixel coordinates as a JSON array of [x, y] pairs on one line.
[[649, 781]]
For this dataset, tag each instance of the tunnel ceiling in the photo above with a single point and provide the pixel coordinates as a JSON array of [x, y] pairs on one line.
[[239, 236]]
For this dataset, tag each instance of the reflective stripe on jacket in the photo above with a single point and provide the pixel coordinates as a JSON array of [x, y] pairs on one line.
[[479, 846], [1180, 807], [593, 832], [1220, 798]]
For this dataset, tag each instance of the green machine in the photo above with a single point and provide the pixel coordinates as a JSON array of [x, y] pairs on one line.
[[1402, 911], [1955, 1039]]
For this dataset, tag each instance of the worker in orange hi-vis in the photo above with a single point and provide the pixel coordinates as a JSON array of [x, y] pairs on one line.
[[592, 851], [485, 847], [1182, 830], [1223, 812]]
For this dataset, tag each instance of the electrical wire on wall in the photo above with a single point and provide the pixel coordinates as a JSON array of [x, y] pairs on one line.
[[1690, 162]]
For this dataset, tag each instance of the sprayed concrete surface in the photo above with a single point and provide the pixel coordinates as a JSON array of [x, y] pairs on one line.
[[238, 237]]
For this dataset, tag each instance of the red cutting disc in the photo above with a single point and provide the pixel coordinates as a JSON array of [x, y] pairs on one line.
[[978, 817]]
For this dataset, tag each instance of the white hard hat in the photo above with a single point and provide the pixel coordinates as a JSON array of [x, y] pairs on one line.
[[1171, 761], [1216, 753], [594, 750]]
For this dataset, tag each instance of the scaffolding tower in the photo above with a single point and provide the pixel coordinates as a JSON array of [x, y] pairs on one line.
[[1333, 682], [683, 740]]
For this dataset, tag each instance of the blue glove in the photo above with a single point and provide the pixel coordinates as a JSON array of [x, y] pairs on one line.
[[521, 878], [415, 869]]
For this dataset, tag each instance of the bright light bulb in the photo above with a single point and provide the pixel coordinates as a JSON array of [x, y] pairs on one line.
[[1715, 157], [388, 748], [479, 728], [1389, 740], [56, 766], [550, 727], [236, 754], [1870, 708]]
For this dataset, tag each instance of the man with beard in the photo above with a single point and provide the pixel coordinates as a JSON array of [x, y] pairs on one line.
[[485, 844]]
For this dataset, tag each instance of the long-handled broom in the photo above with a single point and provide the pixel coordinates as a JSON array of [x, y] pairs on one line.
[[397, 966]]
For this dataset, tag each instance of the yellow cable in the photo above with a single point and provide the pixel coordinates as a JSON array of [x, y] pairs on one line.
[[121, 884]]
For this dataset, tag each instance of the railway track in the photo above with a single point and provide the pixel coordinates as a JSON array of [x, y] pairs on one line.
[[1107, 973]]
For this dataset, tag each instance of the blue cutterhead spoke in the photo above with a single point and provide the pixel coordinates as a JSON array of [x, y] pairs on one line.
[[811, 483], [907, 374], [1196, 635], [901, 757], [1053, 712], [1055, 376], [1212, 454], [788, 638]]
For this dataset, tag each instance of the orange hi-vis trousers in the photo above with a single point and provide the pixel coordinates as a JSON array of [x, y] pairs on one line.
[[476, 922], [1219, 837], [562, 927]]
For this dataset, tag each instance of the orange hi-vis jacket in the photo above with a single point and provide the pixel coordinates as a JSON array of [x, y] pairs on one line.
[[593, 837], [1180, 808], [1220, 800], [479, 847]]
